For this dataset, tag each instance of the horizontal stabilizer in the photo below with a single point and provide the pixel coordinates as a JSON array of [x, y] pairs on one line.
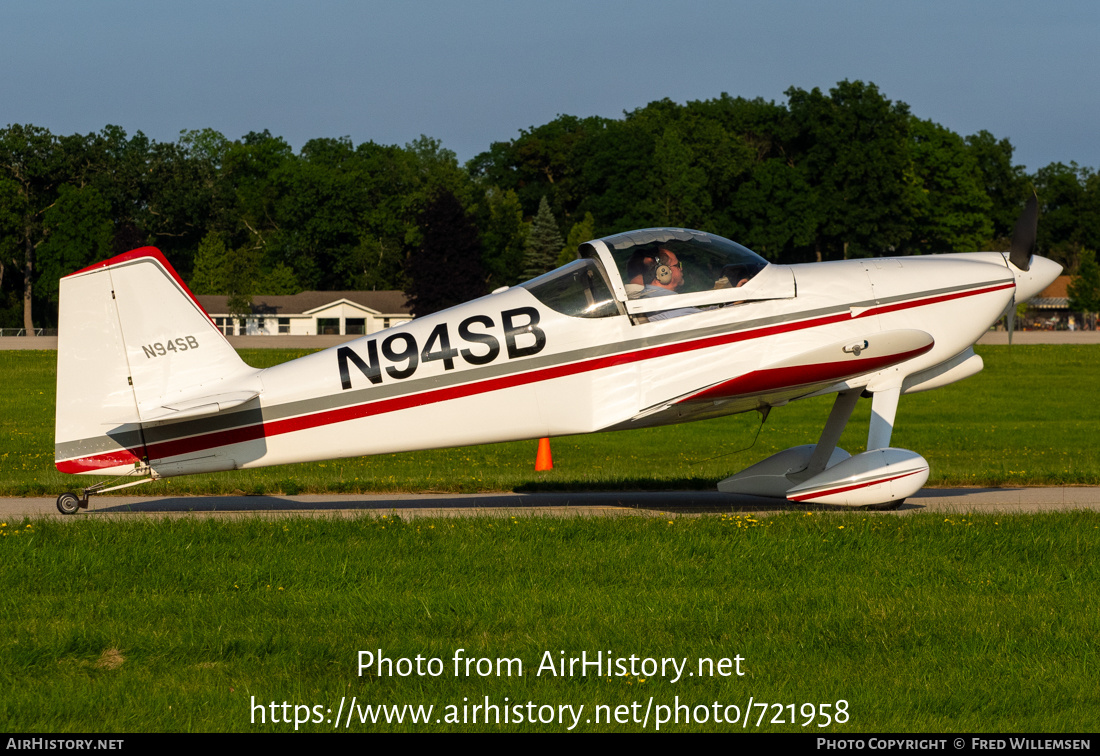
[[200, 405]]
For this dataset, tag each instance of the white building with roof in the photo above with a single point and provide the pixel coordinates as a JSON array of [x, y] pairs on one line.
[[311, 313]]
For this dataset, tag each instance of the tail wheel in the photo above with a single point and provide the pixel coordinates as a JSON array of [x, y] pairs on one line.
[[68, 504]]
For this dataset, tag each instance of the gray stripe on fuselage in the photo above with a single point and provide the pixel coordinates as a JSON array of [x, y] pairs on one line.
[[251, 415]]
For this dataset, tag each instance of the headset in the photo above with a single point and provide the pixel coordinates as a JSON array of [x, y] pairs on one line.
[[659, 270]]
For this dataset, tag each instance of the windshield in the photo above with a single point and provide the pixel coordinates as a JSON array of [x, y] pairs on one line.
[[706, 262], [577, 289]]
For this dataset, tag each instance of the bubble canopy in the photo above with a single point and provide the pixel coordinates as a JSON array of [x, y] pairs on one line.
[[615, 275], [708, 260]]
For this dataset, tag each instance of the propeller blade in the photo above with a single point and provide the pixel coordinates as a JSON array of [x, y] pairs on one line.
[[1024, 235], [1010, 319]]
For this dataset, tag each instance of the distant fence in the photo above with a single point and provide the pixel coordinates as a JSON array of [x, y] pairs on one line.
[[23, 332]]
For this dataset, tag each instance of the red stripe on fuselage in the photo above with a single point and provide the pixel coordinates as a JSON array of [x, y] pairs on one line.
[[883, 309], [232, 436]]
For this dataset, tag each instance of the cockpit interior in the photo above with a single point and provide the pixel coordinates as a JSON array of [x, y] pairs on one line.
[[621, 274]]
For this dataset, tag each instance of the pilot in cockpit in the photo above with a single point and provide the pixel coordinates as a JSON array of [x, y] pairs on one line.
[[665, 261], [662, 274]]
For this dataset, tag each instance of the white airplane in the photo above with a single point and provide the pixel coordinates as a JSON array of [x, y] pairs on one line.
[[646, 328]]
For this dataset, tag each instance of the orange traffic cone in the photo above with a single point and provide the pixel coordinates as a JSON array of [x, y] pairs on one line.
[[543, 460]]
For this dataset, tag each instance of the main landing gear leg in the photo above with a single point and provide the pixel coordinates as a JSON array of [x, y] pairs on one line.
[[834, 426], [884, 409]]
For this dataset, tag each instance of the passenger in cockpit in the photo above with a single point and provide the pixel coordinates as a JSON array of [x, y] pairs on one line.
[[733, 277]]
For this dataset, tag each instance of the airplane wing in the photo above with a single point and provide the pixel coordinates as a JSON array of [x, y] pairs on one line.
[[822, 366], [790, 377]]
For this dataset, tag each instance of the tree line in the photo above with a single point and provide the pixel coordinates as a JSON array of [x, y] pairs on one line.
[[847, 173]]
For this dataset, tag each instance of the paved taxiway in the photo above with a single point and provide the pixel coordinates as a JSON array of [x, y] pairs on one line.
[[644, 503]]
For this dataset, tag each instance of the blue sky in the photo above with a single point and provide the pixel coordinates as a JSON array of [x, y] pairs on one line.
[[472, 72]]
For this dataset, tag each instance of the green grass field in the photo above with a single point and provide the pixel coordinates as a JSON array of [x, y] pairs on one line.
[[1028, 419], [922, 623]]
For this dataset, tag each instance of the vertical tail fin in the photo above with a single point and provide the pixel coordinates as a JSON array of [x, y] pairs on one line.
[[134, 347]]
